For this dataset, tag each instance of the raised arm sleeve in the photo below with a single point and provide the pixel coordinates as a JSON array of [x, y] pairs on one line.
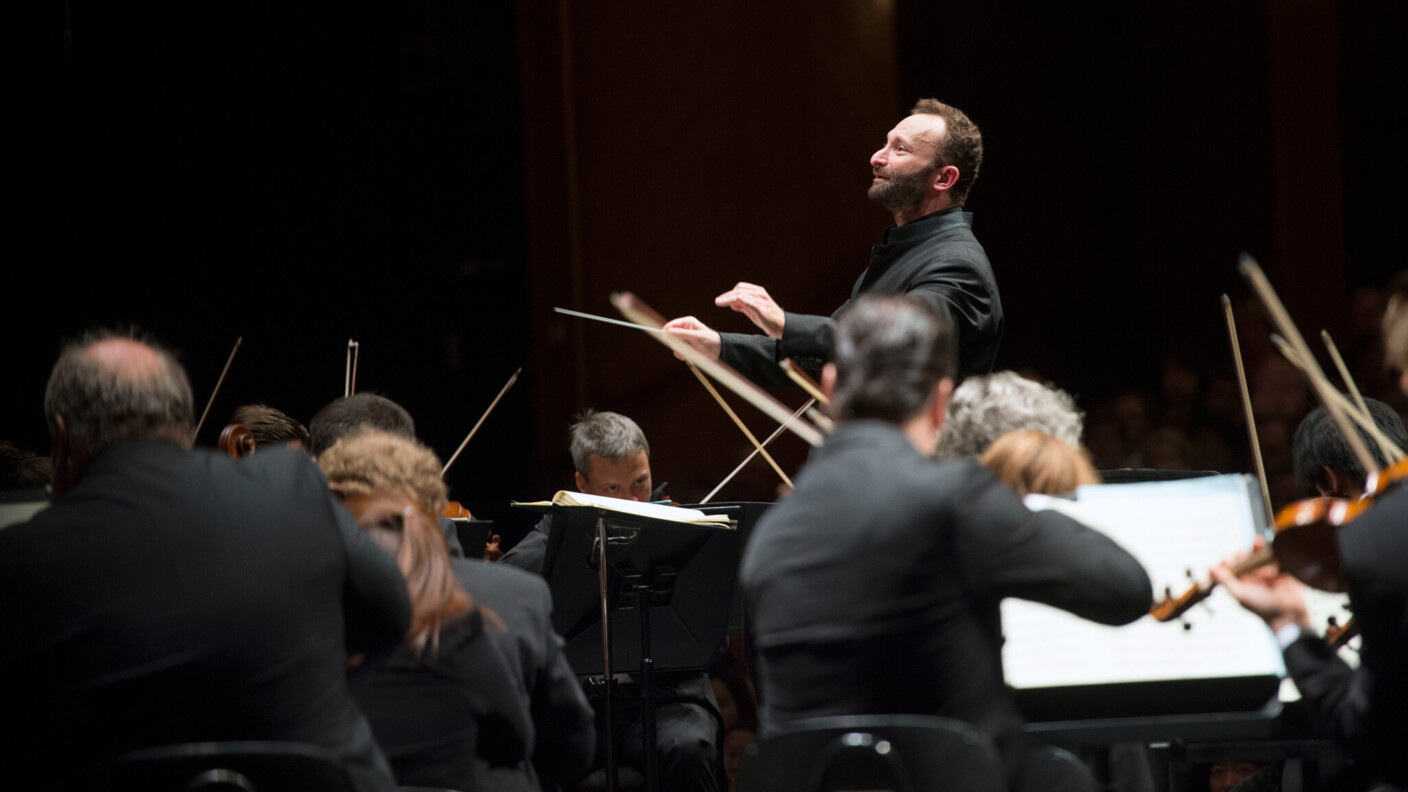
[[1047, 557]]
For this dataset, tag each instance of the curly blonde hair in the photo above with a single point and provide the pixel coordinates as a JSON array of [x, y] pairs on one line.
[[370, 459]]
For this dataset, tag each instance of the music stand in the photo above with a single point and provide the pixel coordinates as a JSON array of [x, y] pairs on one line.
[[684, 571]]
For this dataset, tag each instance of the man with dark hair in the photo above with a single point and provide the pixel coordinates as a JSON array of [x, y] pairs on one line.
[[1362, 708], [340, 417], [270, 427], [1324, 463], [344, 416], [922, 176], [612, 458], [874, 588], [173, 595]]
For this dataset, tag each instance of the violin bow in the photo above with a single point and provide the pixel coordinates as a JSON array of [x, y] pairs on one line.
[[757, 447], [349, 379], [1364, 419], [218, 383], [480, 422], [1321, 385], [634, 309], [1344, 372], [796, 374], [779, 430], [1247, 408]]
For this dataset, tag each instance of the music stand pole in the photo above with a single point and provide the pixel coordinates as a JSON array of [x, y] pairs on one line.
[[606, 653], [647, 669]]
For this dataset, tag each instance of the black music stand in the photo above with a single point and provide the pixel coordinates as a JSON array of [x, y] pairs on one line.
[[685, 572]]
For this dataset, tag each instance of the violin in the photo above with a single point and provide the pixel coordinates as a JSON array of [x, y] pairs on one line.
[[236, 440]]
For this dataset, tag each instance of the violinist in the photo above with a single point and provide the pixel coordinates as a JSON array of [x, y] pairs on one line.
[[270, 426], [342, 417], [1364, 709], [875, 588], [612, 458], [171, 595], [563, 738], [984, 408], [921, 177], [1323, 462]]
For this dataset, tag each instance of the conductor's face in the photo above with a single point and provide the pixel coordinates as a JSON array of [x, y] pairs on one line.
[[627, 478], [901, 167]]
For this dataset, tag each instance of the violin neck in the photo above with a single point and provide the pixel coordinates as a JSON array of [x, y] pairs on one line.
[[1256, 560]]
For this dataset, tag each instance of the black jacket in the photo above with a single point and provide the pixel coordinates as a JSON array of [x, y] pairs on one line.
[[1364, 708], [565, 732], [182, 596], [936, 259], [874, 588]]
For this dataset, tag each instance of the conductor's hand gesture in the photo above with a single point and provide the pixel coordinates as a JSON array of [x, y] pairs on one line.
[[754, 301]]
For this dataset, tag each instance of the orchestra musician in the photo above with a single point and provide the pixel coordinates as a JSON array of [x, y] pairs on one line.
[[985, 408], [347, 414], [1323, 462], [1030, 462], [612, 459], [209, 574], [563, 736], [270, 426], [875, 587], [1362, 708], [922, 177]]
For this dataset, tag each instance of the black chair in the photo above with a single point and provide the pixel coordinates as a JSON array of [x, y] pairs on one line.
[[224, 767], [896, 753], [1051, 769]]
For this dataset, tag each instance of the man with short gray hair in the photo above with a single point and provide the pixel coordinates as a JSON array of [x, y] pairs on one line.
[[173, 595], [612, 458]]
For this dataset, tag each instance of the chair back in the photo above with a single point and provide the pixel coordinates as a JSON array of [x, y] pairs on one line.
[[1051, 769], [224, 767], [873, 753]]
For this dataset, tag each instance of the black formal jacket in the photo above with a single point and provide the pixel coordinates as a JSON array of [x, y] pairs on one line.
[[180, 596], [936, 259], [565, 732], [1364, 708], [440, 715], [874, 587]]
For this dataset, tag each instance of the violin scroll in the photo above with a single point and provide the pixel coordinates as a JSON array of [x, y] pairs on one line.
[[237, 441]]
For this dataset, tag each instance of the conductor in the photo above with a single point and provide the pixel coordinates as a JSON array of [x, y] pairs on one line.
[[921, 176]]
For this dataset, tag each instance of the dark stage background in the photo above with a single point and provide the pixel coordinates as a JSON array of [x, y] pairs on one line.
[[432, 178]]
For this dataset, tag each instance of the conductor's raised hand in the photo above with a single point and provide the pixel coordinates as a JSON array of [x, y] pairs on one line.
[[696, 334], [754, 301]]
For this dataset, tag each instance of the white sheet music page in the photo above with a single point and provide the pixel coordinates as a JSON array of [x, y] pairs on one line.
[[1170, 527]]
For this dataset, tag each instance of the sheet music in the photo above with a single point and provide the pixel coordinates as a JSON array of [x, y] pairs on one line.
[[1170, 527]]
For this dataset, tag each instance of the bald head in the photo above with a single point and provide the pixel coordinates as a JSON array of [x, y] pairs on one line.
[[108, 389]]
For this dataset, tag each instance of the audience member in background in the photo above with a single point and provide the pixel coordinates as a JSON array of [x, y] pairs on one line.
[[446, 695], [983, 409], [564, 733], [271, 427], [346, 415], [1324, 463], [173, 595], [1029, 462]]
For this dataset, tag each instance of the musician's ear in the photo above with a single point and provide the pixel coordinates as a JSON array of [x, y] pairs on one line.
[[828, 380], [581, 481], [939, 405]]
